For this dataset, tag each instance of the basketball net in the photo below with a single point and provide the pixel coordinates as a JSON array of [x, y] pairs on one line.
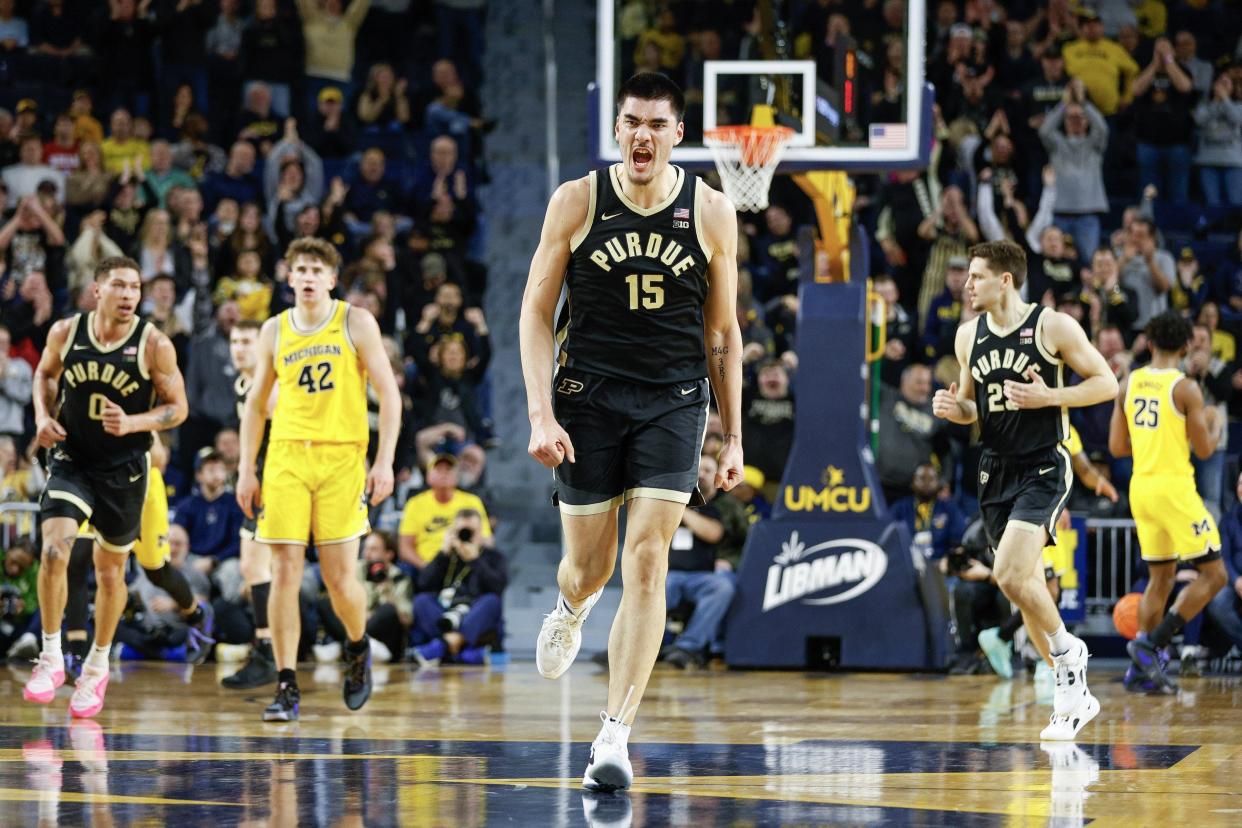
[[746, 158]]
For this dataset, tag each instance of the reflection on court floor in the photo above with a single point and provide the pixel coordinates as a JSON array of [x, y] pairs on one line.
[[172, 748]]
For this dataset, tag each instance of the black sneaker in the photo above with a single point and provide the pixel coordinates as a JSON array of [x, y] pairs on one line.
[[285, 706], [357, 678], [259, 669], [1147, 658], [682, 659]]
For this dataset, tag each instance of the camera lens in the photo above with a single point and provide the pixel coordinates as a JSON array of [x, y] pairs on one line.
[[465, 535]]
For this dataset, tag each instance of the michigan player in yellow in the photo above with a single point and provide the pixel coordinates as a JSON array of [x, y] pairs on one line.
[[1159, 419], [315, 480], [997, 642]]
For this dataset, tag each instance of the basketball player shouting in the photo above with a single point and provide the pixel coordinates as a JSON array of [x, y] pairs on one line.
[[1158, 418], [95, 386], [648, 254], [1013, 358]]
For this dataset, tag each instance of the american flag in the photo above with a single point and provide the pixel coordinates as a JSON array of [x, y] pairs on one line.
[[132, 350], [681, 213], [887, 136]]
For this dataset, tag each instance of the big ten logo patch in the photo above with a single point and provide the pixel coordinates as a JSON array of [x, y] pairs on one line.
[[831, 496]]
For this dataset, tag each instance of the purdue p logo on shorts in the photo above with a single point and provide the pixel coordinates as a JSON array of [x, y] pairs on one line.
[[569, 386], [983, 478]]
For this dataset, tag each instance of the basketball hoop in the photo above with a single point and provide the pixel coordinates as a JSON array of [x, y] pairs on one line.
[[746, 158]]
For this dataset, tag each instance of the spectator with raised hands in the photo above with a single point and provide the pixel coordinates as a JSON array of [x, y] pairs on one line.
[[1219, 159], [383, 104], [1077, 158], [86, 188], [292, 178], [1163, 99], [33, 242]]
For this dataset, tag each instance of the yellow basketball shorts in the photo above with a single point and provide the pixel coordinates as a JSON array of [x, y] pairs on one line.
[[1172, 522], [313, 489]]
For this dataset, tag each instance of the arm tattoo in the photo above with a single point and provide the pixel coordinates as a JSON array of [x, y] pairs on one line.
[[167, 415]]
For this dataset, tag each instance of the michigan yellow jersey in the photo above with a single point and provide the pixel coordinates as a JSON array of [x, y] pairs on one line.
[[1157, 429], [1073, 443], [323, 396]]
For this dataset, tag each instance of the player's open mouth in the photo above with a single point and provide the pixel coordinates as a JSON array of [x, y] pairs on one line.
[[641, 156]]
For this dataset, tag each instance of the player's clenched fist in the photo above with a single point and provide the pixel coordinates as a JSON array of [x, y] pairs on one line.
[[549, 444], [944, 403]]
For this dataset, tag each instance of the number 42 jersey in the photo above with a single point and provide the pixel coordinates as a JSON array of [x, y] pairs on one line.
[[637, 282], [322, 381]]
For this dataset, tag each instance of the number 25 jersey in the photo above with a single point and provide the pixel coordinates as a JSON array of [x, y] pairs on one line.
[[637, 282], [997, 356], [322, 381], [1158, 438]]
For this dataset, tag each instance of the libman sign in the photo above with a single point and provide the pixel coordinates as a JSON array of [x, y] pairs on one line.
[[832, 572]]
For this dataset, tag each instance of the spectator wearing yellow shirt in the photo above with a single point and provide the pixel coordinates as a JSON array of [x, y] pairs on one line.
[[86, 127], [1224, 346], [248, 288], [1105, 68], [122, 146], [428, 514], [672, 45]]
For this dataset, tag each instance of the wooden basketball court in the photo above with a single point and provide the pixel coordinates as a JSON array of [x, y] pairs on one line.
[[480, 746]]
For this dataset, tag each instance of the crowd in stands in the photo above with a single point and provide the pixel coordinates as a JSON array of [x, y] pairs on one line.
[[201, 136], [1104, 137]]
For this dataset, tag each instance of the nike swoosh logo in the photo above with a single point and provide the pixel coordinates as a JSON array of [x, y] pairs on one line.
[[983, 339], [136, 478], [685, 391], [605, 216], [1045, 471], [79, 347]]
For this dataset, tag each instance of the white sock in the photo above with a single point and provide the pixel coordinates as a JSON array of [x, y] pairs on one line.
[[573, 608], [51, 644], [98, 658], [1060, 641]]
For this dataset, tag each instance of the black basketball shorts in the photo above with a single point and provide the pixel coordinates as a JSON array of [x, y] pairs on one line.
[[630, 440], [110, 498], [1033, 489]]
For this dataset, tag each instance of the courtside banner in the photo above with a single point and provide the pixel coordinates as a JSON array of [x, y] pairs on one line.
[[830, 580]]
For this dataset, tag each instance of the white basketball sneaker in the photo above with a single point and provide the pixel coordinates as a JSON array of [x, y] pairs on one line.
[[1073, 706], [609, 768], [561, 636]]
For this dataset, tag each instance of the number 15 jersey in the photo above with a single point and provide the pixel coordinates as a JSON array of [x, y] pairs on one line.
[[322, 382], [637, 282]]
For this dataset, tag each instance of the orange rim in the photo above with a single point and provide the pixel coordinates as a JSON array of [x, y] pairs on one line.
[[756, 145]]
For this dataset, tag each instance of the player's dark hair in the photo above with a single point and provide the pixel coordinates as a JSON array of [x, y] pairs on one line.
[[115, 263], [313, 248], [248, 325], [653, 86], [1169, 331], [1003, 257]]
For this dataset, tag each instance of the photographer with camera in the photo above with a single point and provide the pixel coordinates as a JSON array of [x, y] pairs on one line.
[[976, 603], [458, 609], [390, 600], [19, 597]]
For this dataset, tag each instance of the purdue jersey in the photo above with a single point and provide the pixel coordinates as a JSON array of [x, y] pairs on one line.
[[997, 356], [323, 397], [241, 387], [94, 374], [637, 281], [1158, 437]]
